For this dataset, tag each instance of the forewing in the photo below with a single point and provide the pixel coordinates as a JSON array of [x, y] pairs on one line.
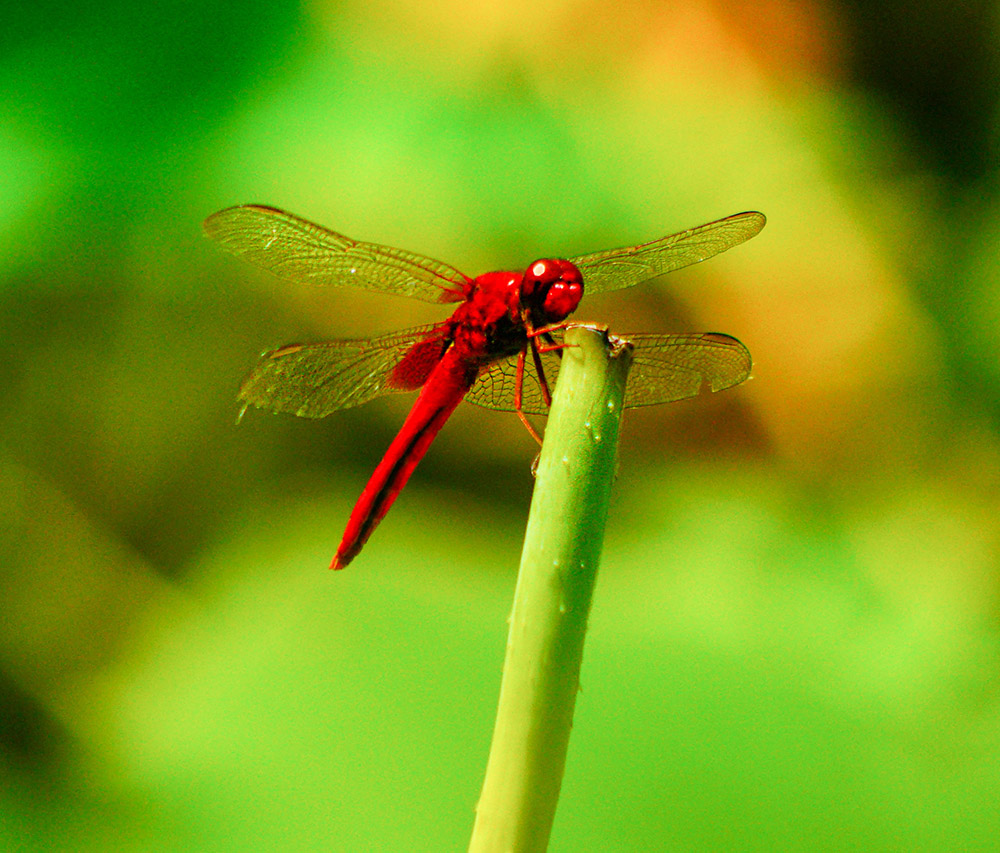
[[301, 251], [615, 269], [666, 368], [313, 380]]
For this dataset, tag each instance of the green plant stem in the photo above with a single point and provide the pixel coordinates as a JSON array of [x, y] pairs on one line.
[[562, 549]]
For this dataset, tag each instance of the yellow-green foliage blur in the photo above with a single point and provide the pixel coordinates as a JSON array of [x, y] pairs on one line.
[[795, 640]]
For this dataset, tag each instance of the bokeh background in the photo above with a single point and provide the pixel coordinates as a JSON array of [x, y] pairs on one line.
[[795, 640]]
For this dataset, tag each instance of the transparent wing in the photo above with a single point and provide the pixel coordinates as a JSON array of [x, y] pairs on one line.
[[665, 368], [496, 385], [618, 268], [313, 380], [300, 251]]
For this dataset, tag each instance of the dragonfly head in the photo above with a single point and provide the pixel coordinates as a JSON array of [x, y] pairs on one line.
[[551, 290]]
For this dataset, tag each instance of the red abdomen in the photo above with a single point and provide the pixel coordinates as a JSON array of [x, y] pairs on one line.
[[446, 385]]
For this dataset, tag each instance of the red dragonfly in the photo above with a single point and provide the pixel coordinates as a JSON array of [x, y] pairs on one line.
[[481, 352]]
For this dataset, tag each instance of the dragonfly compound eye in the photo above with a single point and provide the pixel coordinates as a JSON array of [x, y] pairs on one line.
[[561, 300], [553, 289], [539, 275]]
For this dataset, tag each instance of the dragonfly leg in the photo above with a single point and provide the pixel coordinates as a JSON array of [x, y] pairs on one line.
[[519, 397], [545, 333], [542, 381], [527, 425]]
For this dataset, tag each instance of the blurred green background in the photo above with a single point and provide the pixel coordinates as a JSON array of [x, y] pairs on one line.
[[795, 639]]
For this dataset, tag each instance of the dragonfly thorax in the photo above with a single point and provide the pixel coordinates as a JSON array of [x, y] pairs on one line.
[[550, 290]]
